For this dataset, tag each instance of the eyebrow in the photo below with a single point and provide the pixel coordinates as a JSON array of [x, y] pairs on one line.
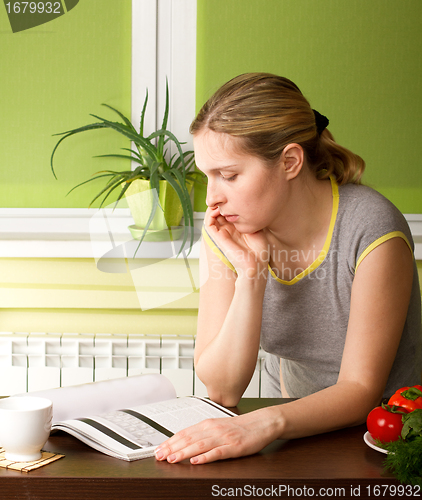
[[226, 167]]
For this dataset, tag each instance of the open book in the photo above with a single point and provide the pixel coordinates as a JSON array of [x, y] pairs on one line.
[[127, 418]]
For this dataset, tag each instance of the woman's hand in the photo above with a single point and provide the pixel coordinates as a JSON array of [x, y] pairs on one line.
[[248, 253], [221, 438]]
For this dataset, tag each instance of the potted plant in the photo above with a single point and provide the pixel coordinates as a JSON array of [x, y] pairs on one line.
[[163, 185]]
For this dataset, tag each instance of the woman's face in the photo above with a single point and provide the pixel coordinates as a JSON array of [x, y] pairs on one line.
[[246, 191]]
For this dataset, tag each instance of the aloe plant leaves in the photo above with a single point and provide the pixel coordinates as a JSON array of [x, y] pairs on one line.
[[123, 117], [69, 133], [144, 108], [161, 138]]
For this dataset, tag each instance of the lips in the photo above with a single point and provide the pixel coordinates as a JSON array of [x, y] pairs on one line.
[[230, 218]]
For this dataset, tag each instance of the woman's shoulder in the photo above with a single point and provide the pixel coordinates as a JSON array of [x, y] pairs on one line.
[[363, 194], [364, 206], [366, 219]]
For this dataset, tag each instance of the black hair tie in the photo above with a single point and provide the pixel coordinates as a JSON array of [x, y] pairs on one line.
[[321, 121]]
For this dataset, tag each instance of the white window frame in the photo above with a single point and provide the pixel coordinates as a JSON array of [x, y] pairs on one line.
[[163, 45]]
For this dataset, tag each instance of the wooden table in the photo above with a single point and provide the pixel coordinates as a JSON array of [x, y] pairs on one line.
[[336, 464]]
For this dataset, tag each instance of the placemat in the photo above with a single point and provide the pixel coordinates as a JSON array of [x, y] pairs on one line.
[[46, 458]]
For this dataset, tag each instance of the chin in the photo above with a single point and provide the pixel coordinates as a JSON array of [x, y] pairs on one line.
[[246, 228]]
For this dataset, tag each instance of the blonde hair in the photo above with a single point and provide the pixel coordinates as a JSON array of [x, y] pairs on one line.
[[268, 112]]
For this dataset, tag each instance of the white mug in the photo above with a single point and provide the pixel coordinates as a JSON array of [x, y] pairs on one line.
[[25, 424]]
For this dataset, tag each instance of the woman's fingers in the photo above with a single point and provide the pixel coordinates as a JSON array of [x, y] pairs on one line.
[[212, 216], [189, 442], [201, 451], [211, 213]]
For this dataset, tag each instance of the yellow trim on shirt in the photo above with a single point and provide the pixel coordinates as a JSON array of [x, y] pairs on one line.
[[214, 248], [326, 247], [382, 239]]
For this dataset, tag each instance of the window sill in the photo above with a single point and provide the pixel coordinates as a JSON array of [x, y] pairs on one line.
[[80, 233]]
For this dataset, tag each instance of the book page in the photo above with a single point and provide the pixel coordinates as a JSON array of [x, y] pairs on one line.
[[101, 397], [109, 438], [177, 414]]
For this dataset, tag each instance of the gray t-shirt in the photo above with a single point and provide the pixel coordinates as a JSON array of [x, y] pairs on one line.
[[304, 321]]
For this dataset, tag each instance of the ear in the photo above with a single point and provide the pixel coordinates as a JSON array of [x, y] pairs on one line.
[[292, 160]]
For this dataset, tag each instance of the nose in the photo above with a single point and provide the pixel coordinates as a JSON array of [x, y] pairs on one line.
[[214, 195]]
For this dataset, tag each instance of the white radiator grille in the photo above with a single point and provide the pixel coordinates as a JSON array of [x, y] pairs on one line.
[[39, 361]]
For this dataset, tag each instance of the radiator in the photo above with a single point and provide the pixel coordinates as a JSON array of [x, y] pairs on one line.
[[39, 361]]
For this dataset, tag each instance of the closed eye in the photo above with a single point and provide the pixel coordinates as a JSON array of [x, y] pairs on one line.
[[232, 178]]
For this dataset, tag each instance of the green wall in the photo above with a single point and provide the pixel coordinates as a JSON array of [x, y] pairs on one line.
[[357, 61], [51, 78]]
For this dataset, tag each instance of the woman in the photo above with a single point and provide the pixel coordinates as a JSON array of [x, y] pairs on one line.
[[302, 260]]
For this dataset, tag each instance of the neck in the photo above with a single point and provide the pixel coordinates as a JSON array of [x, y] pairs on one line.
[[305, 216]]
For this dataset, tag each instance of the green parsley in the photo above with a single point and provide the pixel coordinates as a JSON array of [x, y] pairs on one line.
[[404, 457]]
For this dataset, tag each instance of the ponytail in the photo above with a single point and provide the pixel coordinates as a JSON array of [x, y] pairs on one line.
[[336, 161]]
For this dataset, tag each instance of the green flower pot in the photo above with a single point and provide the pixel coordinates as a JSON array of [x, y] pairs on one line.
[[140, 200]]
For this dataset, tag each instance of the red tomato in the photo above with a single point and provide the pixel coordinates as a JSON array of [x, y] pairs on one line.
[[384, 424]]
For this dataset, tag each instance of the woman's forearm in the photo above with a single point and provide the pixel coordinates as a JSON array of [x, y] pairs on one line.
[[342, 405], [227, 363]]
